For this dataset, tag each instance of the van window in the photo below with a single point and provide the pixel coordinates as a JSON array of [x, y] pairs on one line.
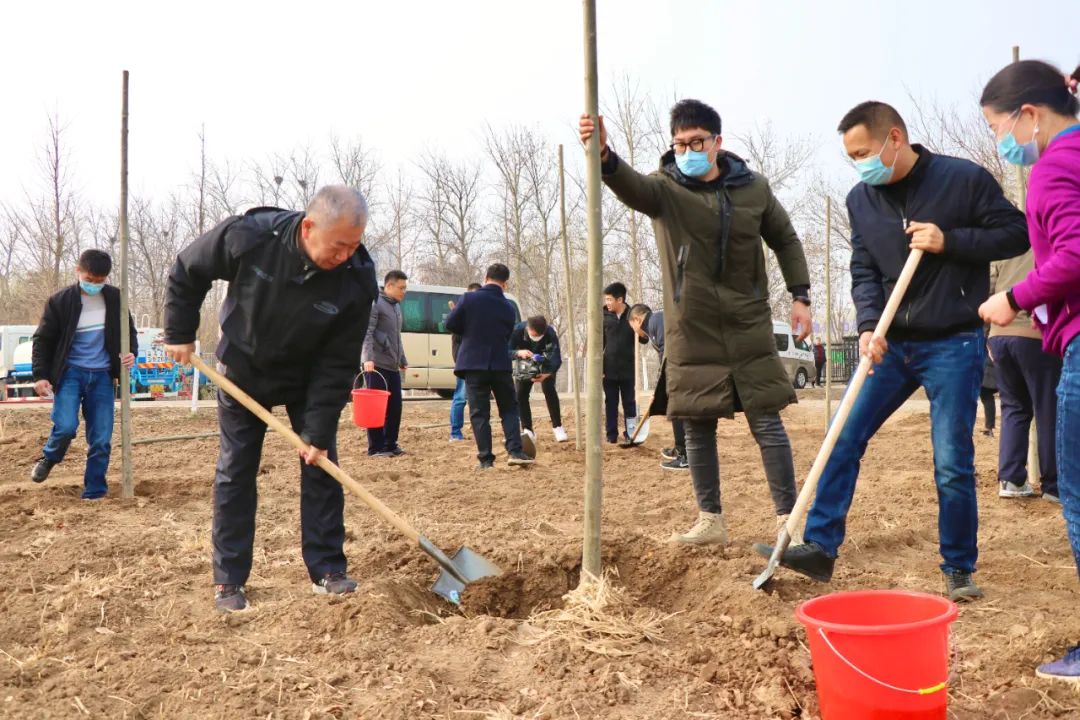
[[803, 345], [440, 308], [781, 342], [413, 313]]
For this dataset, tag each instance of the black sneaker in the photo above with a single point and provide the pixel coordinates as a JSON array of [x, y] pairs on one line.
[[397, 451], [230, 598], [988, 433], [382, 453], [335, 583], [519, 458], [679, 463], [485, 465], [669, 453], [41, 470], [960, 587], [808, 559]]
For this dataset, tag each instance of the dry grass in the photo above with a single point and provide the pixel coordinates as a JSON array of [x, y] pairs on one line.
[[600, 617]]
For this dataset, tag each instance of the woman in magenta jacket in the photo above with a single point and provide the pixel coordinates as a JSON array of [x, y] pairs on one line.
[[1033, 112]]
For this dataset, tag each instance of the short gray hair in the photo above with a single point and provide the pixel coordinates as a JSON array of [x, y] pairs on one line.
[[339, 202]]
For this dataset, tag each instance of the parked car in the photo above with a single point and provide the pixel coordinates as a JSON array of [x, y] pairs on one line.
[[796, 355]]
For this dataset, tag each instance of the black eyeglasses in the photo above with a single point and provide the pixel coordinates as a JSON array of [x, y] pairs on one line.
[[697, 145]]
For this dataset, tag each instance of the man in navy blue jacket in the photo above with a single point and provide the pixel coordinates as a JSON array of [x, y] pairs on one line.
[[955, 212], [485, 319]]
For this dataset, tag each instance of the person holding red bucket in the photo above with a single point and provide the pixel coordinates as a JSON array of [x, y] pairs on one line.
[[1033, 111], [384, 362]]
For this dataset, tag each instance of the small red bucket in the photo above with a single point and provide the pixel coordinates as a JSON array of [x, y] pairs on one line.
[[880, 654], [369, 405]]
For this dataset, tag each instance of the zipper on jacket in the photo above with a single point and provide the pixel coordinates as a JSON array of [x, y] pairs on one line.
[[680, 270]]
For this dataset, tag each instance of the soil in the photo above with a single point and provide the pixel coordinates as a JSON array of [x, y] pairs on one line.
[[106, 608]]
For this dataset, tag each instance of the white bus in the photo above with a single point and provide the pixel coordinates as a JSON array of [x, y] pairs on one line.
[[426, 339]]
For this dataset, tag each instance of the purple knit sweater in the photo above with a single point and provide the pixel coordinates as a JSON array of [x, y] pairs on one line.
[[1053, 213]]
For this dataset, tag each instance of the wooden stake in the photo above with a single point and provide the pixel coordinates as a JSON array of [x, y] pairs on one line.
[[128, 479], [574, 379], [828, 310], [594, 477], [1034, 472]]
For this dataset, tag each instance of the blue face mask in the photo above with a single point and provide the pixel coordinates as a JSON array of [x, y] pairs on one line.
[[1015, 153], [873, 171], [91, 288], [693, 163]]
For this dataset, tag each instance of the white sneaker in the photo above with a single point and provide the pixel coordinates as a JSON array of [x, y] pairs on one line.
[[560, 435], [796, 537], [1012, 490], [710, 529]]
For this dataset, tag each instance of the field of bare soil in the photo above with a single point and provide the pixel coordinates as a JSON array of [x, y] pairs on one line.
[[106, 608]]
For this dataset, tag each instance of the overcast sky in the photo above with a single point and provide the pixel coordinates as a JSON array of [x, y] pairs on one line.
[[408, 77]]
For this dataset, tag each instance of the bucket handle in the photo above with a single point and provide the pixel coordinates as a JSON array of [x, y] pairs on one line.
[[922, 691], [363, 374]]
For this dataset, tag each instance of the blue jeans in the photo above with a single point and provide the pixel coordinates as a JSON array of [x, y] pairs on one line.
[[950, 370], [94, 389], [457, 410], [1068, 450]]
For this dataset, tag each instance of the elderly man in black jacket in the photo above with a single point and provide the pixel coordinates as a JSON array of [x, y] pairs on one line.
[[301, 286], [956, 213]]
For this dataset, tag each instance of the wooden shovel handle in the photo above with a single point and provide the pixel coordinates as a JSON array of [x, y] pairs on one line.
[[810, 486], [354, 487]]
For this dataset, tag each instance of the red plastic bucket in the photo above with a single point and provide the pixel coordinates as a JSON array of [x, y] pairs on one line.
[[369, 406], [879, 654]]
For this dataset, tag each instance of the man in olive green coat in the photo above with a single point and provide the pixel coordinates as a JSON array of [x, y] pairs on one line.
[[710, 213]]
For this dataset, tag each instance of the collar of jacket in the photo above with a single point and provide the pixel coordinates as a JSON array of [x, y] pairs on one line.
[[387, 298], [492, 287], [734, 172], [917, 170]]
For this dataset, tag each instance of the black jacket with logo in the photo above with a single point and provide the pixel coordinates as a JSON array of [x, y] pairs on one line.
[[56, 331], [980, 225], [291, 332]]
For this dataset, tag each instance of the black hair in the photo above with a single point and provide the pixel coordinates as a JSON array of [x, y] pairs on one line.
[[878, 117], [538, 324], [394, 276], [1031, 82], [498, 272], [473, 287], [616, 290], [640, 310], [688, 114], [96, 262]]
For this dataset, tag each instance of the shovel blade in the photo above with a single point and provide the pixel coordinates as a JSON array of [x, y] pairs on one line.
[[528, 444], [782, 542], [470, 566], [639, 436]]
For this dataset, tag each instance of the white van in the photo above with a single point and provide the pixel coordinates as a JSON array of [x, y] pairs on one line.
[[796, 355], [426, 339]]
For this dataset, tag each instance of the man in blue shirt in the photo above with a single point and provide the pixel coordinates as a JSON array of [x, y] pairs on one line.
[[76, 355]]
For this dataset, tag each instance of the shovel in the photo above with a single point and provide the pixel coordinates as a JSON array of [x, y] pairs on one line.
[[458, 571], [641, 433], [798, 514]]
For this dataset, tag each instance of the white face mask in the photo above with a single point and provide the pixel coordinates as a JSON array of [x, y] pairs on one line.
[[532, 337]]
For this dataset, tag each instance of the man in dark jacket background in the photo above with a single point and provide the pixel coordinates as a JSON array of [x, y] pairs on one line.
[[955, 212], [649, 327], [485, 319], [301, 286], [535, 340], [457, 403], [76, 357], [618, 363]]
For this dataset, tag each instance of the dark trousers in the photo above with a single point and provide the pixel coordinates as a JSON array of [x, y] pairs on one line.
[[772, 439], [551, 395], [385, 438], [678, 428], [322, 502], [613, 391], [1027, 380], [480, 385], [986, 396], [820, 367]]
